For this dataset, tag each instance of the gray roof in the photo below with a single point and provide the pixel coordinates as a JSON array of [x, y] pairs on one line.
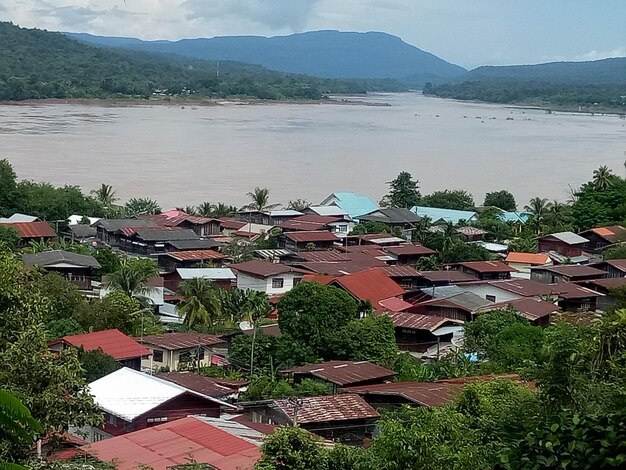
[[182, 245], [52, 258], [568, 237], [17, 217], [165, 235], [206, 273], [82, 230], [469, 300], [442, 291], [393, 215], [113, 225]]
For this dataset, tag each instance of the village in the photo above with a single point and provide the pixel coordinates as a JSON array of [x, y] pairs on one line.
[[201, 374]]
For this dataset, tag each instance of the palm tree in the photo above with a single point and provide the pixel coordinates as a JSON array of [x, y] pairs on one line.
[[191, 210], [450, 236], [132, 277], [141, 206], [205, 209], [603, 178], [558, 217], [260, 200], [538, 208], [299, 205], [105, 194], [256, 308], [201, 305], [223, 210]]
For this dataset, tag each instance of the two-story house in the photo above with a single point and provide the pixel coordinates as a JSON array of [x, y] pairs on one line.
[[268, 277]]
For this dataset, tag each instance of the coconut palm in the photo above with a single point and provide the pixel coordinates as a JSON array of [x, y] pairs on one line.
[[205, 209], [191, 210], [139, 206], [223, 210], [132, 277], [105, 195], [538, 207], [450, 236], [558, 217], [260, 200], [201, 305], [603, 178]]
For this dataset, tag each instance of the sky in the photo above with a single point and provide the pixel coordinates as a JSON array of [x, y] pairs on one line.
[[466, 32]]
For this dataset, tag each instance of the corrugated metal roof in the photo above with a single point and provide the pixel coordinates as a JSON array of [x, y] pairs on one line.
[[265, 268], [567, 237], [313, 236], [32, 229], [392, 215], [177, 443], [198, 255], [51, 258], [415, 321], [394, 304], [175, 341], [273, 253], [284, 213], [198, 383], [574, 270], [326, 409], [344, 373], [420, 393], [206, 273], [401, 270], [528, 307], [447, 275], [410, 250], [536, 259], [373, 285], [112, 342], [352, 203], [464, 300], [487, 266], [328, 210], [436, 214], [17, 217], [113, 225]]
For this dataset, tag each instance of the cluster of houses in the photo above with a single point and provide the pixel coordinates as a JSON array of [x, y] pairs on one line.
[[144, 405]]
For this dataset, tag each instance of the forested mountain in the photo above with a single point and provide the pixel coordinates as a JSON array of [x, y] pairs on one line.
[[36, 64], [331, 54]]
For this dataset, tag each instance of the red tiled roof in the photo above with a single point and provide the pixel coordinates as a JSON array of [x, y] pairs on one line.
[[536, 259], [528, 307], [33, 229], [415, 321], [260, 268], [421, 393], [112, 342], [313, 236], [487, 266], [195, 255], [344, 373], [373, 285], [328, 409], [176, 443], [410, 250], [174, 341], [208, 386]]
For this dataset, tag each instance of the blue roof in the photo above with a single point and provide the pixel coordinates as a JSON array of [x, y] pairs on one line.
[[517, 217], [436, 214], [353, 204]]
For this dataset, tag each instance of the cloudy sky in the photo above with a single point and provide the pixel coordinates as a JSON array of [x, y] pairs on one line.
[[466, 32]]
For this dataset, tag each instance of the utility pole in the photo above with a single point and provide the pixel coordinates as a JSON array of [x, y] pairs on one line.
[[296, 404]]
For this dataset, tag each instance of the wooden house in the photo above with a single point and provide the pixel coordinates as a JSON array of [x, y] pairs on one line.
[[76, 268]]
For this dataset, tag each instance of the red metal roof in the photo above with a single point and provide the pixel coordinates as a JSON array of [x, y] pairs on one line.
[[410, 250], [401, 270], [313, 236], [330, 408], [373, 285], [394, 304], [421, 393], [487, 266], [112, 342], [33, 229], [612, 234], [260, 268], [415, 321], [450, 276], [174, 341], [606, 283], [573, 270], [344, 373], [192, 255], [176, 443], [536, 259], [208, 386], [231, 224]]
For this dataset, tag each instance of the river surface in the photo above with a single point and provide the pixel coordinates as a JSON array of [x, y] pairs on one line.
[[219, 153]]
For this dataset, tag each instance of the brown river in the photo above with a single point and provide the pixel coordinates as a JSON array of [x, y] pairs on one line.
[[219, 153]]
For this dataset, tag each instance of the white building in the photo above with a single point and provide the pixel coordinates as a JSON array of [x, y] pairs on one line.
[[268, 277]]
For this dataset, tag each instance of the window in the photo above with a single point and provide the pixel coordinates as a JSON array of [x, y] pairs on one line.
[[157, 355], [97, 437], [296, 281], [342, 228], [112, 420], [155, 421], [278, 282], [491, 298]]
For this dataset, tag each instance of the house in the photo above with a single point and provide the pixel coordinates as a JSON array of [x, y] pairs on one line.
[[76, 268], [152, 240], [345, 418], [132, 400], [395, 218], [80, 233], [522, 262], [600, 238], [472, 234], [375, 287], [417, 333], [605, 287], [202, 226], [109, 231], [270, 218], [19, 218], [613, 267], [175, 444], [192, 245], [32, 231], [444, 277], [485, 270], [189, 259], [565, 273], [332, 211], [174, 351], [453, 304], [317, 240], [268, 277], [116, 344], [222, 389], [339, 225], [341, 373], [379, 239], [564, 243], [440, 216], [404, 275], [352, 204], [220, 277], [394, 395], [229, 225], [408, 253], [536, 311]]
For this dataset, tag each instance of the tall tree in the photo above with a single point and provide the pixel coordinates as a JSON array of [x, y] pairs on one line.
[[456, 199], [141, 206], [298, 205], [260, 199], [132, 276], [603, 177], [538, 207], [8, 189], [201, 305], [403, 192], [105, 195], [502, 199], [18, 429]]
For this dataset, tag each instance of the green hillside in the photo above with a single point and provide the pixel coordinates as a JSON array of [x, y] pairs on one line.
[[36, 64]]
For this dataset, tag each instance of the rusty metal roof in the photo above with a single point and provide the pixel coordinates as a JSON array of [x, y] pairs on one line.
[[344, 373], [208, 386], [328, 409], [32, 229], [420, 393], [487, 266], [416, 321], [574, 270], [174, 341], [309, 222], [195, 255], [451, 276], [528, 307], [410, 250], [312, 236], [373, 285], [401, 270], [260, 268]]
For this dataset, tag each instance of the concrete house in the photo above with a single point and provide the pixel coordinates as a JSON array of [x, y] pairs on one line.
[[173, 350], [268, 277]]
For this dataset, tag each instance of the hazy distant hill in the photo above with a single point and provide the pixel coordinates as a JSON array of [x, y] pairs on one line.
[[598, 72], [36, 64], [331, 54]]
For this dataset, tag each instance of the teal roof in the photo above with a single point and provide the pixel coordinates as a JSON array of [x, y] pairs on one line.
[[436, 214], [517, 217], [353, 204]]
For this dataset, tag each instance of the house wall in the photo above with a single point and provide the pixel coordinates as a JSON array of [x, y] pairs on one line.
[[560, 247], [80, 277], [172, 359], [491, 293], [341, 229], [448, 312], [246, 282]]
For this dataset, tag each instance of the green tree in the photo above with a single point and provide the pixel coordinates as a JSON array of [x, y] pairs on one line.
[[109, 260], [299, 205], [115, 310], [105, 195], [316, 315], [292, 448], [132, 276], [559, 217], [64, 298], [603, 177], [9, 237], [260, 199], [372, 339], [461, 252], [201, 306], [8, 189], [616, 252], [538, 207], [370, 227], [63, 327], [516, 347], [97, 364], [456, 199], [403, 192], [480, 334], [17, 429], [140, 206], [502, 199]]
